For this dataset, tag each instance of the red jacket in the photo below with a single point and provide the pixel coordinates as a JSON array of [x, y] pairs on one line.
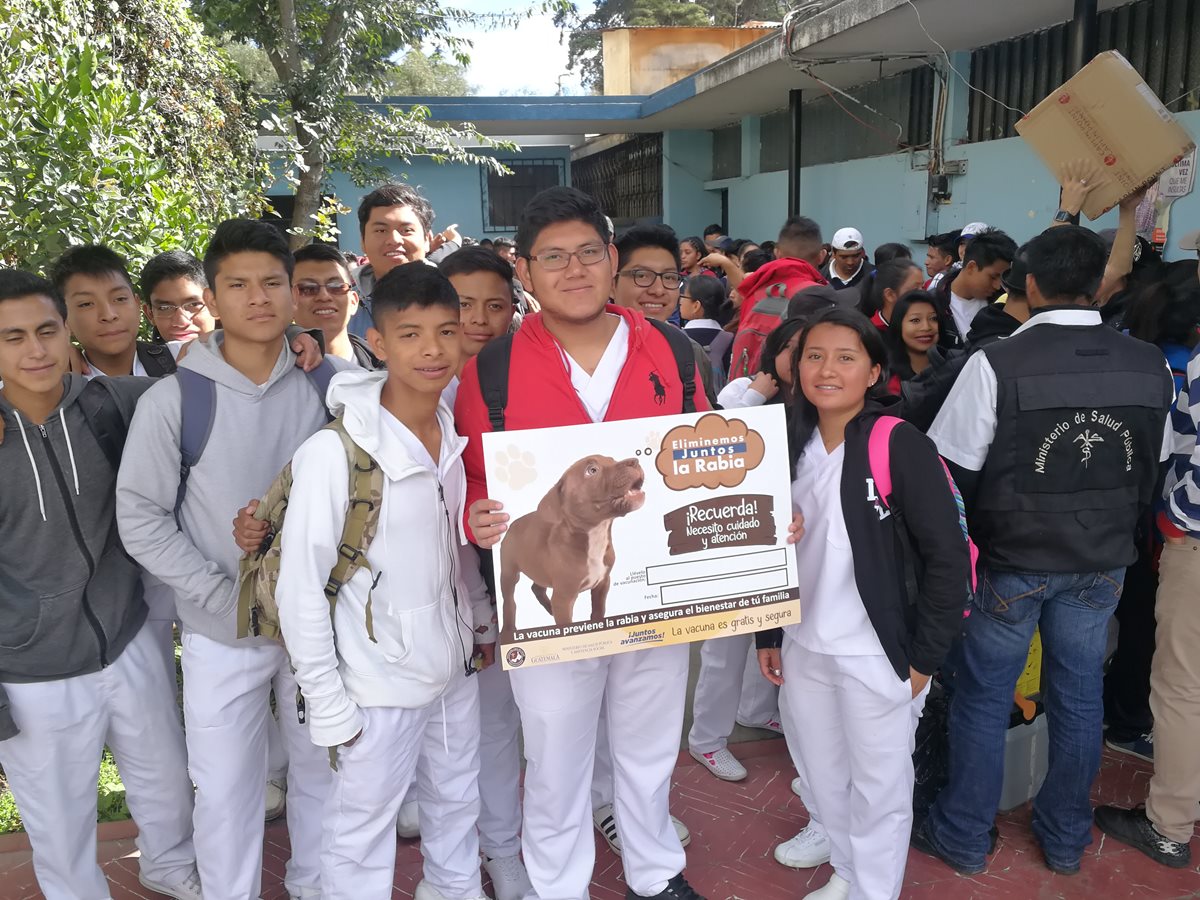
[[795, 273], [541, 394]]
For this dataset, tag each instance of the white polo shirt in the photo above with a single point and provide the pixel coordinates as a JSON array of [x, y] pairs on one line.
[[595, 390]]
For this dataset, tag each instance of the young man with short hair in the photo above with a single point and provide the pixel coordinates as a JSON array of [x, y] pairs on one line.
[[1054, 435], [388, 682], [326, 300], [566, 363], [103, 314], [79, 666], [176, 524], [847, 265], [941, 256], [506, 249], [987, 257], [713, 235], [173, 286], [483, 281]]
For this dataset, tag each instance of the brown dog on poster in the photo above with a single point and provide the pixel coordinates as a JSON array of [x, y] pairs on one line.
[[565, 546]]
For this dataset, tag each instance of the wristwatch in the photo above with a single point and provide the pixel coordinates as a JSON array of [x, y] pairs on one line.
[[1063, 216]]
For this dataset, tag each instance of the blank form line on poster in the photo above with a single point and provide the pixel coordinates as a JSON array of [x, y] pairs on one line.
[[709, 579]]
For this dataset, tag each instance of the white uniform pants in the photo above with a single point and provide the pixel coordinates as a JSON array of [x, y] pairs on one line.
[[225, 700], [437, 748], [643, 697], [729, 688], [855, 748], [160, 600], [53, 764], [499, 765]]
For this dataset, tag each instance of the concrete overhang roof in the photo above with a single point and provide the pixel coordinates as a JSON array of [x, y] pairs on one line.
[[848, 42]]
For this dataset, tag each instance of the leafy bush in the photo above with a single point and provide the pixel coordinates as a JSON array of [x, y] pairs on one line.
[[110, 799]]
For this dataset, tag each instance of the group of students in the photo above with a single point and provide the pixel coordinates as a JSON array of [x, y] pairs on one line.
[[389, 706]]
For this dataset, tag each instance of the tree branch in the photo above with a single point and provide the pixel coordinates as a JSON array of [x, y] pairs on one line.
[[289, 34], [335, 30]]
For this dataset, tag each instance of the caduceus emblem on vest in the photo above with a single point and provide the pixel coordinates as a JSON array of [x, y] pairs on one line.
[[1086, 440]]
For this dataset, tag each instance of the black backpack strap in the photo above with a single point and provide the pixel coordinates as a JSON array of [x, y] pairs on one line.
[[104, 419], [491, 368], [685, 360], [156, 359]]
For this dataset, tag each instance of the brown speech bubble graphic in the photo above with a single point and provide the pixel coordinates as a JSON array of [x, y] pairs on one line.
[[714, 453]]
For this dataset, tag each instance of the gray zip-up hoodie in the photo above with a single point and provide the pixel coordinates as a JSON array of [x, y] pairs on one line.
[[255, 431], [70, 599]]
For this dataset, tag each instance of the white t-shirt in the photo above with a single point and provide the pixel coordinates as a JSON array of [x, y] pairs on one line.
[[964, 312], [138, 369], [595, 391], [833, 619]]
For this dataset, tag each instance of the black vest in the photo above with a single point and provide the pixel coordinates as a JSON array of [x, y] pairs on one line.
[[1080, 411]]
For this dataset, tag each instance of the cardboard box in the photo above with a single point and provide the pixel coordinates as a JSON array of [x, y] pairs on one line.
[[1107, 113]]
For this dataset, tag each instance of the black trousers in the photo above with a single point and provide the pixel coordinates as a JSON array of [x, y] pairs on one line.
[[1127, 683]]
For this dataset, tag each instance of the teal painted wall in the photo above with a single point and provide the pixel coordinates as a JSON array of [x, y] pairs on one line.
[[687, 164], [454, 190]]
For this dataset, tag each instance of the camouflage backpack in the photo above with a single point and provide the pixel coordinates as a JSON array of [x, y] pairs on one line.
[[258, 573]]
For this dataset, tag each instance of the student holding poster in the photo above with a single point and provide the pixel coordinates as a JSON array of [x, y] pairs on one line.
[[856, 669], [582, 360]]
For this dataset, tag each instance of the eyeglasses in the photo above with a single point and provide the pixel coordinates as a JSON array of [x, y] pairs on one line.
[[313, 288], [191, 309], [560, 259], [644, 278]]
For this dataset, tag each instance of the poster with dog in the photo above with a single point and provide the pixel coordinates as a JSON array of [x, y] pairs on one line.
[[624, 535]]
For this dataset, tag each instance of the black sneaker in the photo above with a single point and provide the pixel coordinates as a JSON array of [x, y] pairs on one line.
[[1132, 827], [921, 840], [677, 889], [1142, 746]]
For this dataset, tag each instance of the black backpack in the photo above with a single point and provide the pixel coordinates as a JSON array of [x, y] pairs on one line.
[[156, 359]]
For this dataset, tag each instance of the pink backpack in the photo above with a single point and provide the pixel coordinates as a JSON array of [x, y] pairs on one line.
[[879, 453]]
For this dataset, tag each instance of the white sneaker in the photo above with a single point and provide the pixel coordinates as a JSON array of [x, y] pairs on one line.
[[772, 724], [837, 888], [606, 823], [721, 763], [796, 786], [408, 824], [510, 881], [807, 850], [188, 889], [426, 891], [276, 799]]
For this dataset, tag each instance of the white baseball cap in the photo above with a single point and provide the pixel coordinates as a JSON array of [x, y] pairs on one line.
[[847, 239], [1190, 241], [973, 229]]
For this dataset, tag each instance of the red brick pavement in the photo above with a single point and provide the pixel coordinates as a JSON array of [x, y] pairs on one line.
[[736, 826]]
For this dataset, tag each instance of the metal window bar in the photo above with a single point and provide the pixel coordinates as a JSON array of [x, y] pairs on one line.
[[504, 196], [625, 180]]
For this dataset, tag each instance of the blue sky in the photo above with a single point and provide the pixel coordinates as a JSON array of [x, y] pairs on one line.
[[529, 58]]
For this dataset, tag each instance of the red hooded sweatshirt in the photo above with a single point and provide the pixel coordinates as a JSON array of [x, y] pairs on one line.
[[541, 395], [795, 273]]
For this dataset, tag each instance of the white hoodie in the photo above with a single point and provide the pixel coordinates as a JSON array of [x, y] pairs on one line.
[[428, 602]]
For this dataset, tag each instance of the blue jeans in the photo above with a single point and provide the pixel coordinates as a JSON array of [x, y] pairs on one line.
[[1073, 613]]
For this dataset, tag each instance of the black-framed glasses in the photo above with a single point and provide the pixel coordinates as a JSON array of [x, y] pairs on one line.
[[191, 309], [555, 260], [313, 288], [644, 278]]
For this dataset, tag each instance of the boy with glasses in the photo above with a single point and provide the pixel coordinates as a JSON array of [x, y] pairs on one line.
[[326, 300], [173, 286]]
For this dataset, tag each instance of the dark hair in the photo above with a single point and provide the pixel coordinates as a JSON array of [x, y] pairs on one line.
[[807, 302], [503, 242], [350, 257], [768, 247], [555, 205], [661, 237], [773, 345], [245, 236], [412, 284], [803, 418], [755, 260], [708, 292], [321, 253], [946, 243], [1163, 313], [714, 228], [888, 276], [469, 260], [1066, 262], [990, 246], [395, 195], [885, 253], [697, 244], [168, 266], [487, 242], [803, 236], [88, 259], [17, 283], [897, 351]]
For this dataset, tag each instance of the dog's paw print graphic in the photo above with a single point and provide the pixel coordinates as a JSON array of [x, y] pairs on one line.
[[515, 467], [652, 442]]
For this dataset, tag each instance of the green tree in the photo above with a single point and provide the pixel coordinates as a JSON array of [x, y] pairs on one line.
[[325, 51], [583, 34], [421, 75], [119, 122]]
